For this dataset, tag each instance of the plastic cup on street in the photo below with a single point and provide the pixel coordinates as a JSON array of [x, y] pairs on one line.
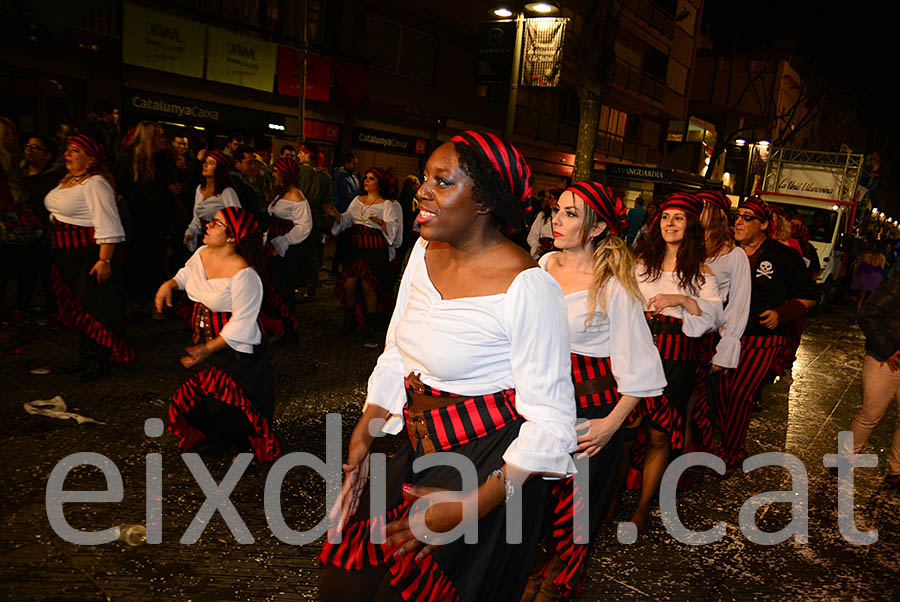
[[133, 535]]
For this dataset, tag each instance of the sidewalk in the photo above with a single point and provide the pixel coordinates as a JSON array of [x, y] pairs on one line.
[[323, 374]]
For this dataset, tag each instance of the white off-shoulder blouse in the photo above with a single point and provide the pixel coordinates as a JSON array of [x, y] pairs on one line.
[[92, 204], [242, 295], [480, 345]]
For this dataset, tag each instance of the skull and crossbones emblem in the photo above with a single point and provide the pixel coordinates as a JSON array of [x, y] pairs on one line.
[[765, 269]]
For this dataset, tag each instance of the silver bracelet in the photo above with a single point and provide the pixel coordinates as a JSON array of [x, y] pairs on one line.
[[510, 490]]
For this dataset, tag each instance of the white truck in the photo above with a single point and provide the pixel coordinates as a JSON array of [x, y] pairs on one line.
[[823, 188]]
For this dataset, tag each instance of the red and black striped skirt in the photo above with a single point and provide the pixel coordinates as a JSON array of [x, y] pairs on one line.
[[479, 428], [96, 311]]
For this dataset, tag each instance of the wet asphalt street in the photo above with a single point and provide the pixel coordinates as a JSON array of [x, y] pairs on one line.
[[802, 415]]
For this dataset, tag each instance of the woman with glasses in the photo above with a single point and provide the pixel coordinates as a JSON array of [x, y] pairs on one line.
[[227, 405], [376, 224], [682, 305], [213, 195], [85, 230]]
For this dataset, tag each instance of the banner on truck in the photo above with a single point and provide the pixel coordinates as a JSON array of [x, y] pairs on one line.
[[819, 183]]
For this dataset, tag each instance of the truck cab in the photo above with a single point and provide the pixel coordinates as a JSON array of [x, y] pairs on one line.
[[823, 188], [827, 222]]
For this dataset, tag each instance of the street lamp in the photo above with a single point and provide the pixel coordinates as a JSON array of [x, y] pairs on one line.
[[542, 8]]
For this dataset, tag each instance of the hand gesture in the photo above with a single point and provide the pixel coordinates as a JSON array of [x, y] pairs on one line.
[[596, 433], [163, 297], [657, 303], [196, 354], [101, 270], [769, 319], [439, 517], [356, 474]]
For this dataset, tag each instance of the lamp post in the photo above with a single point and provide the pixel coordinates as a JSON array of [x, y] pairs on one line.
[[542, 8]]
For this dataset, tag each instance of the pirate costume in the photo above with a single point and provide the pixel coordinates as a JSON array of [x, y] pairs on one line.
[[83, 216], [230, 402], [612, 356], [206, 208], [290, 223], [371, 248], [778, 279], [486, 377]]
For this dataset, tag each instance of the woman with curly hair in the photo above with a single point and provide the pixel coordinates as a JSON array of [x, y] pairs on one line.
[[377, 228], [213, 195], [476, 362], [682, 305], [85, 229], [614, 365], [227, 405]]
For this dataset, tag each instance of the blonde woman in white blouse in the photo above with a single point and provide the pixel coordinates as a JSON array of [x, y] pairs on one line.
[[86, 274], [476, 362], [226, 406], [614, 364], [377, 231]]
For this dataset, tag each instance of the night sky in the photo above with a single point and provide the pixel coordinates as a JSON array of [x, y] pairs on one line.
[[854, 44]]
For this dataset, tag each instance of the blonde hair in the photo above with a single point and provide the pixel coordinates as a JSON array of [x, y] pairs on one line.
[[142, 148], [717, 233], [612, 259], [782, 228]]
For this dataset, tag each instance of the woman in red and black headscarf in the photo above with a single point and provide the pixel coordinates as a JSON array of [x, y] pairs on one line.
[[85, 229], [290, 224], [682, 305], [377, 227], [227, 405], [614, 365], [476, 362]]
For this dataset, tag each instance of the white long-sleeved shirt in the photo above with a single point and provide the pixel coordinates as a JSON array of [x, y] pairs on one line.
[[242, 295], [205, 210], [479, 345], [732, 272], [92, 204], [708, 300], [297, 212], [620, 332], [389, 211], [542, 227]]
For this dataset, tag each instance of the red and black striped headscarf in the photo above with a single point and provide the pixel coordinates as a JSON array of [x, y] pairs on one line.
[[506, 160], [240, 222], [757, 206], [716, 199], [604, 201], [90, 146], [682, 201], [222, 159], [800, 232], [287, 165]]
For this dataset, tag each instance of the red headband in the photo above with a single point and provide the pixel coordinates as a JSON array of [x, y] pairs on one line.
[[758, 206], [605, 203], [715, 198], [682, 201], [222, 159], [90, 146], [287, 165], [240, 222], [506, 160], [304, 150]]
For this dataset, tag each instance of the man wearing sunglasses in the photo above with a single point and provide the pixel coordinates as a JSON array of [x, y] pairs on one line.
[[780, 291]]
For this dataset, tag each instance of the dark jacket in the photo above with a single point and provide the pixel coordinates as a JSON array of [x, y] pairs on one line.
[[879, 319]]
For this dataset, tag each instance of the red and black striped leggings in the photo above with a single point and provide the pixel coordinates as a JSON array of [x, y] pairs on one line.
[[738, 390]]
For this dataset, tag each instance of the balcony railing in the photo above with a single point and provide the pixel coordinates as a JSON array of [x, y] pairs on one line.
[[653, 15], [633, 78], [615, 146]]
